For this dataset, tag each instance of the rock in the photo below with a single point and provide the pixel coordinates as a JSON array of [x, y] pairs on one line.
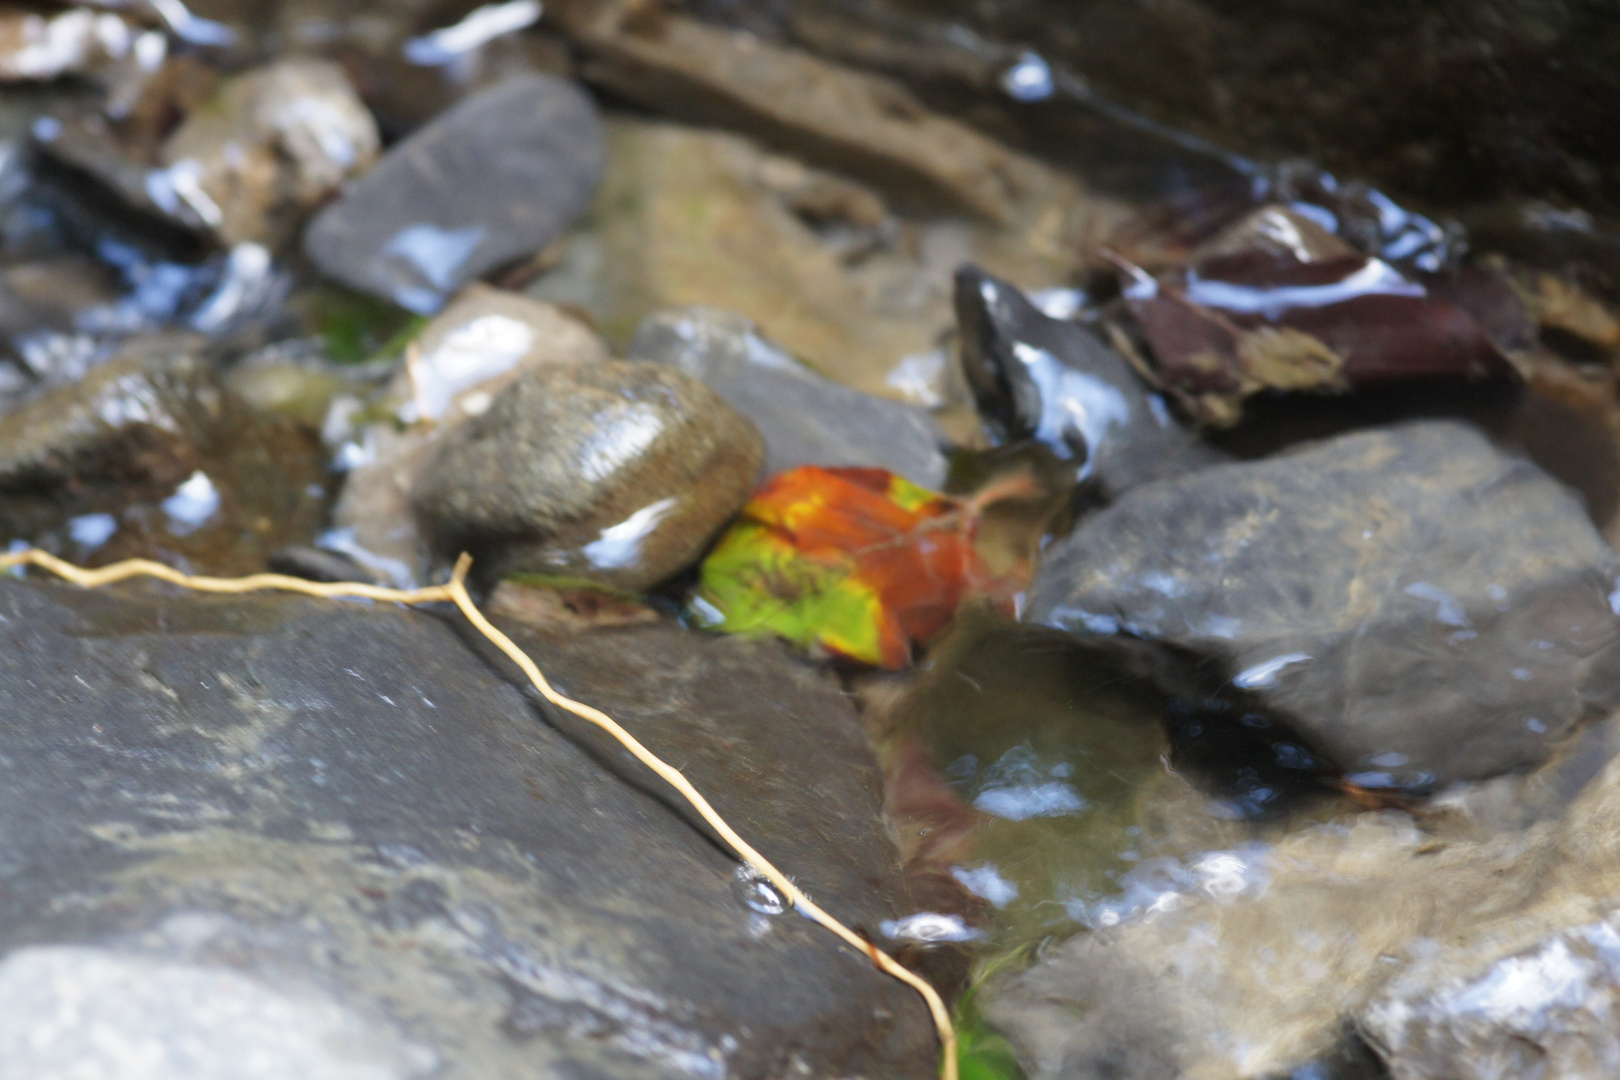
[[148, 455], [270, 146], [1543, 1012], [1463, 959], [1037, 377], [690, 216], [805, 419], [1421, 108], [858, 123], [297, 378], [472, 350], [330, 835], [35, 47], [1248, 962], [613, 472], [1420, 607], [495, 178]]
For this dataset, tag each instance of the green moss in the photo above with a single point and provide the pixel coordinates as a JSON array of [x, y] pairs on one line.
[[981, 1053], [355, 327]]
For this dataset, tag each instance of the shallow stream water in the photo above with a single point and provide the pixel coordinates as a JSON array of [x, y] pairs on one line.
[[1042, 788]]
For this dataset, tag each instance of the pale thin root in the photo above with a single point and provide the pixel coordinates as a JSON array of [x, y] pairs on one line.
[[456, 592]]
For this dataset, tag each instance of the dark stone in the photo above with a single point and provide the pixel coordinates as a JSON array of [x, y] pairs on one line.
[[318, 564], [1037, 377], [493, 179], [1449, 99], [619, 473], [336, 817], [805, 419], [1421, 607]]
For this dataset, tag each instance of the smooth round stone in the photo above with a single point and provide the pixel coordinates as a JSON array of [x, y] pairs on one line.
[[614, 472]]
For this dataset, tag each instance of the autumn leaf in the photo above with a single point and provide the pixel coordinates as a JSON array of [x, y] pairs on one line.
[[857, 563]]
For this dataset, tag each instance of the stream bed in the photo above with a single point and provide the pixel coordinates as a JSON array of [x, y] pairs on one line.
[[1118, 501]]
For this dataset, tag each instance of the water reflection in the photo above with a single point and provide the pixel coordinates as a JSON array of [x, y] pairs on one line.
[[1066, 793]]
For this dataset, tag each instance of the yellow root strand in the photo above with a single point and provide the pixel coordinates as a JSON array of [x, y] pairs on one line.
[[456, 593]]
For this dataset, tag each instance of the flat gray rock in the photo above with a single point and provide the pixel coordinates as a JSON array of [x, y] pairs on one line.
[[1419, 606], [493, 179], [330, 840], [805, 419]]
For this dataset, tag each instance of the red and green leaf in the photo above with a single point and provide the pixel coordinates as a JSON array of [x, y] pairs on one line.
[[857, 563]]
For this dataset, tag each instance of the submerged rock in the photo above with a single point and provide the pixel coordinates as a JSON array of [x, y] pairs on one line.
[[331, 835], [1037, 377], [690, 216], [270, 146], [804, 418], [148, 455], [1419, 606], [614, 472], [472, 350], [1456, 959], [492, 179]]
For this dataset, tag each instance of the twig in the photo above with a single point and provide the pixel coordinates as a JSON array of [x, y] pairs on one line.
[[456, 593]]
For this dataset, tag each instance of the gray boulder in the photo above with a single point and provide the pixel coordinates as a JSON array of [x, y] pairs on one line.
[[614, 472], [283, 838], [804, 418], [493, 179], [1419, 606]]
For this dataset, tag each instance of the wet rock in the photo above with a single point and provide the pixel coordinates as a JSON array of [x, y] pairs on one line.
[[614, 472], [1249, 962], [858, 123], [442, 883], [472, 350], [1453, 958], [35, 46], [148, 455], [1573, 318], [804, 418], [270, 146], [1036, 377], [491, 180], [1543, 1012], [689, 216], [1421, 108], [297, 378], [1419, 606]]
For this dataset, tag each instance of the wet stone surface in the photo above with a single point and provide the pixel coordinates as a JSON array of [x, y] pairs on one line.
[[1037, 377], [804, 418], [1451, 956], [1419, 606], [614, 472], [459, 197], [148, 455], [470, 352], [331, 836], [270, 146]]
